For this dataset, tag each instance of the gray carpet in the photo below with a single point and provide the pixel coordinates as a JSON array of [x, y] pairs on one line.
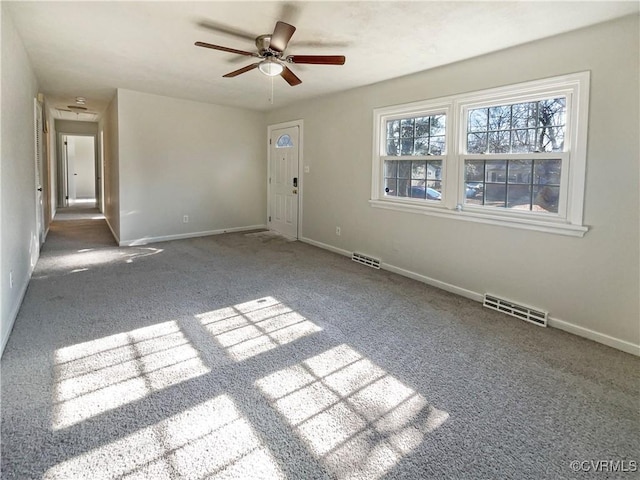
[[250, 356]]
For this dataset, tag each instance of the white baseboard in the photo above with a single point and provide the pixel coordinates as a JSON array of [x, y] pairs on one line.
[[325, 246], [14, 312], [181, 236], [463, 292], [595, 336], [613, 342]]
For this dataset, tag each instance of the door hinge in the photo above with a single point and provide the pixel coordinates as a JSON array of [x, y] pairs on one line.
[[269, 180], [269, 217], [269, 141], [67, 197]]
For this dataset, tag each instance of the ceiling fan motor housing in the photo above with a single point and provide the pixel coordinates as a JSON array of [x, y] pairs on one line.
[[263, 43]]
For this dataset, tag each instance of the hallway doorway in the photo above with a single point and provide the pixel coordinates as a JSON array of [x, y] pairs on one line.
[[79, 180]]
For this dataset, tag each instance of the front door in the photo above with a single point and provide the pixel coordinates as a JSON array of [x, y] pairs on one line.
[[284, 181]]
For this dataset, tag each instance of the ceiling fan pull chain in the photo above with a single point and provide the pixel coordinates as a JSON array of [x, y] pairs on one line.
[[271, 99]]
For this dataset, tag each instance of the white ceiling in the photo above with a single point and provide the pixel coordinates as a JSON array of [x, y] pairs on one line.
[[92, 48]]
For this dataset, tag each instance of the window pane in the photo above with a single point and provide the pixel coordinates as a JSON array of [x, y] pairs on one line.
[[434, 170], [552, 112], [545, 198], [520, 171], [495, 195], [477, 143], [478, 120], [547, 172], [524, 115], [419, 170], [496, 171], [499, 142], [436, 146], [404, 169], [550, 139], [392, 147], [406, 128], [403, 188], [393, 128], [390, 169], [418, 189], [421, 146], [391, 186], [500, 118], [434, 190], [523, 141], [422, 127], [438, 125], [474, 170], [406, 146], [519, 197], [284, 141]]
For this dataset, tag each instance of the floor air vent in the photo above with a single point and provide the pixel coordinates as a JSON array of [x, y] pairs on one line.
[[519, 311], [368, 261]]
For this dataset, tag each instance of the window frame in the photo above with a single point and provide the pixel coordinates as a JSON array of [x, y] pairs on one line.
[[568, 220]]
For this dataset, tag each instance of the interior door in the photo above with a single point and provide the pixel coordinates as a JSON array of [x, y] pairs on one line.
[[284, 181]]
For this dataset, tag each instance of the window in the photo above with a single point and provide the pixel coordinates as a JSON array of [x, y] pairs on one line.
[[284, 141], [512, 156]]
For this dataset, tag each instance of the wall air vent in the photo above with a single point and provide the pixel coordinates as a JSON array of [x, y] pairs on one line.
[[522, 312], [365, 260]]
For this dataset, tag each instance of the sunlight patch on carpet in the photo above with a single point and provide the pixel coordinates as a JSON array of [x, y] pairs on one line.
[[211, 440], [251, 328], [100, 375], [355, 417]]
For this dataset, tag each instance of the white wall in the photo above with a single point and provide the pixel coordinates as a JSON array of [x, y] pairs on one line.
[[18, 234], [108, 131], [589, 285], [179, 157]]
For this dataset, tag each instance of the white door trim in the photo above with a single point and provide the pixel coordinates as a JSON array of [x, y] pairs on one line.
[[270, 128]]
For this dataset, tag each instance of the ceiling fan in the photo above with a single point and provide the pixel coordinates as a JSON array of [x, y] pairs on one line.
[[271, 49]]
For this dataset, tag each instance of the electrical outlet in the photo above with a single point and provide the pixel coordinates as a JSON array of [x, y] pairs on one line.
[[185, 219], [338, 231], [11, 279]]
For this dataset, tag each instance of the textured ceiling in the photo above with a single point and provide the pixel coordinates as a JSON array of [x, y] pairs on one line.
[[92, 48]]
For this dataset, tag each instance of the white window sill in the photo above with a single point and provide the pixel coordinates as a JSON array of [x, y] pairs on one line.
[[537, 224]]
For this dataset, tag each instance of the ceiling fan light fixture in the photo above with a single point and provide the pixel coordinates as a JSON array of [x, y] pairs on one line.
[[270, 67]]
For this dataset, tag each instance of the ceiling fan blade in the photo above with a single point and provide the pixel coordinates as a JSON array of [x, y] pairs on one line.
[[290, 77], [235, 73], [225, 49], [317, 59], [281, 36]]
